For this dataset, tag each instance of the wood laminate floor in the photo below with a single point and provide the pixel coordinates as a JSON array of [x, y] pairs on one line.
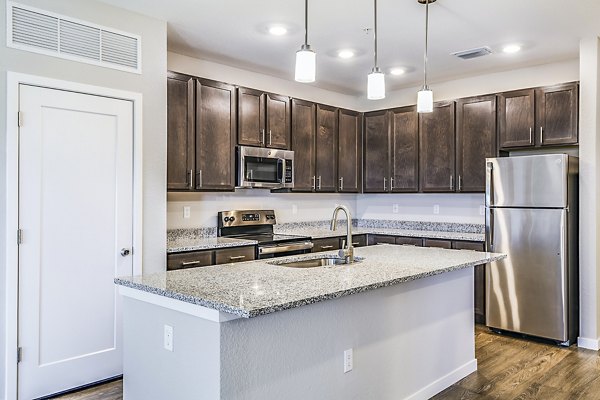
[[508, 368]]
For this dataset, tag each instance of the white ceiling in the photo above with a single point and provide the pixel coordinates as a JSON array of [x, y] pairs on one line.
[[233, 32]]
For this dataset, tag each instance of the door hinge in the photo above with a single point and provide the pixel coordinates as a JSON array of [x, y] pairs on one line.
[[19, 354], [20, 118], [19, 236]]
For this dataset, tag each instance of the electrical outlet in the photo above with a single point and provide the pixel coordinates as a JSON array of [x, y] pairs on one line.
[[481, 210], [348, 360], [395, 208], [436, 209], [168, 338], [187, 212], [294, 209]]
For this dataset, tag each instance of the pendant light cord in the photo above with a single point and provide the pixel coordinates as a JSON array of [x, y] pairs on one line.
[[426, 43], [375, 35], [305, 22]]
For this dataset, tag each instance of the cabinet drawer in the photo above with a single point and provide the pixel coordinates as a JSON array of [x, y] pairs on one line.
[[412, 241], [380, 239], [235, 254], [189, 260], [443, 244], [357, 241], [326, 244], [464, 245]]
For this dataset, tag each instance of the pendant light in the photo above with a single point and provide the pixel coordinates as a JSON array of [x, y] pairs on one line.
[[376, 79], [425, 95], [306, 58]]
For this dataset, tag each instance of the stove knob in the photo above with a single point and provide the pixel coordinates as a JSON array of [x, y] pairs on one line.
[[231, 219], [226, 219]]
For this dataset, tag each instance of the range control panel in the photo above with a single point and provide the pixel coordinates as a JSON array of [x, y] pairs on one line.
[[246, 218]]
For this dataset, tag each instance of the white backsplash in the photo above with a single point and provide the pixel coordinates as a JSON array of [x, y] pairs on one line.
[[300, 207]]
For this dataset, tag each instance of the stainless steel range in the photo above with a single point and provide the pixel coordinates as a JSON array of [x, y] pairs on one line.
[[258, 225]]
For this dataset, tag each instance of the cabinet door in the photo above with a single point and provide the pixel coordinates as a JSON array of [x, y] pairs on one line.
[[349, 159], [326, 149], [215, 135], [235, 254], [557, 114], [189, 260], [405, 149], [411, 241], [436, 149], [180, 132], [278, 121], [479, 279], [516, 113], [442, 244], [357, 241], [381, 239], [326, 244], [251, 117], [303, 144], [376, 170], [475, 140]]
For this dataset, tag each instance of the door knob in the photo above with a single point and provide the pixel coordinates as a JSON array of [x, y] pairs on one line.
[[125, 252]]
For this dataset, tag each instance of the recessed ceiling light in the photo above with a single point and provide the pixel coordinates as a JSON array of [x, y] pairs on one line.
[[511, 48], [397, 71], [277, 30], [346, 53]]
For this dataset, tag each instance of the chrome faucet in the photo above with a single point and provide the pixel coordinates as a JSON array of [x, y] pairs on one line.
[[347, 251]]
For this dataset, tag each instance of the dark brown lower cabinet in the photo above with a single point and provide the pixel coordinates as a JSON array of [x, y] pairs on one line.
[[381, 239], [411, 241], [357, 241], [203, 258], [479, 279], [442, 244], [326, 244]]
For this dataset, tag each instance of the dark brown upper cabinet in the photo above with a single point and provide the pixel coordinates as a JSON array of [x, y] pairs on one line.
[[349, 151], [326, 148], [263, 119], [180, 132], [516, 118], [303, 144], [557, 114], [475, 140], [436, 149], [376, 171], [404, 133], [546, 116], [215, 135]]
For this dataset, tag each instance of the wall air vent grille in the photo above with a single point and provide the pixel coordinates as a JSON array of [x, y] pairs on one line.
[[47, 33], [473, 53]]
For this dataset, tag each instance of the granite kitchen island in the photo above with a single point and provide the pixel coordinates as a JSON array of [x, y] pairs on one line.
[[257, 330]]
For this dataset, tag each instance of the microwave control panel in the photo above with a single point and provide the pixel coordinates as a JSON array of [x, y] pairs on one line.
[[289, 171]]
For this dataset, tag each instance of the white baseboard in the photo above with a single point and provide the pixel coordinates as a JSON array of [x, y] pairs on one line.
[[587, 343], [444, 382]]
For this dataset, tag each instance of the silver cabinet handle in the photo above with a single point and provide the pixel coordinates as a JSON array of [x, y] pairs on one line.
[[342, 183], [199, 182], [384, 184], [459, 183], [530, 135], [189, 263], [269, 137], [261, 139], [234, 258], [125, 252], [451, 182], [319, 184], [326, 247], [541, 134], [391, 183], [191, 179], [314, 181]]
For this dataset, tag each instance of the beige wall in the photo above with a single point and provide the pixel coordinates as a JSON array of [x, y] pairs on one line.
[[151, 83]]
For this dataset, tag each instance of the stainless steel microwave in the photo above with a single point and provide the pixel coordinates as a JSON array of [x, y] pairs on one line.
[[258, 167]]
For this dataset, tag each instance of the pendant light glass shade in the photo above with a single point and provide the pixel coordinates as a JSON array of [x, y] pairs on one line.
[[376, 85], [306, 64], [425, 100]]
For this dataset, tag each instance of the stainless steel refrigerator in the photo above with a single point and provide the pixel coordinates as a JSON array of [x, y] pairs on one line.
[[531, 215]]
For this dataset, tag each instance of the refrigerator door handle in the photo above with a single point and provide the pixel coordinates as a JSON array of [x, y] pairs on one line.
[[489, 183], [489, 230]]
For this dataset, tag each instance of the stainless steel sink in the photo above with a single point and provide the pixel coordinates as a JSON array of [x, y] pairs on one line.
[[315, 262]]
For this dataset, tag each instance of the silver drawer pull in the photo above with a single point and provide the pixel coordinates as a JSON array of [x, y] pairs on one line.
[[237, 258], [383, 243], [326, 247], [355, 243], [188, 263]]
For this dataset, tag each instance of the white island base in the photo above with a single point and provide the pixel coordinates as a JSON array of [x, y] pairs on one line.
[[409, 341]]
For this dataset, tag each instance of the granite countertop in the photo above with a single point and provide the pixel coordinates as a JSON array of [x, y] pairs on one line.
[[182, 244], [254, 288]]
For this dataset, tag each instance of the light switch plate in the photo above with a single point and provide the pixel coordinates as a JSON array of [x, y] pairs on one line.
[[348, 360], [168, 338], [436, 209], [186, 212], [395, 208]]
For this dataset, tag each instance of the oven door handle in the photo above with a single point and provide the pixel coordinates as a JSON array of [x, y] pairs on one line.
[[285, 248]]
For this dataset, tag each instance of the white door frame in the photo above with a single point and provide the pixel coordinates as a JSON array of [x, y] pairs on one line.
[[13, 80]]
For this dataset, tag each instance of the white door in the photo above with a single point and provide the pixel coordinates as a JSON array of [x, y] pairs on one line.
[[75, 213]]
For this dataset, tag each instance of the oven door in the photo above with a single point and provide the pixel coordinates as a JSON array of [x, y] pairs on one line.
[[259, 168], [284, 249]]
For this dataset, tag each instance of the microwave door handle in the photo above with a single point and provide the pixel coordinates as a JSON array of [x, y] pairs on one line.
[[280, 170]]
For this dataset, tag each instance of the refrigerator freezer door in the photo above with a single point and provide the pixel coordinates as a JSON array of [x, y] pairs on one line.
[[528, 181], [527, 291]]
